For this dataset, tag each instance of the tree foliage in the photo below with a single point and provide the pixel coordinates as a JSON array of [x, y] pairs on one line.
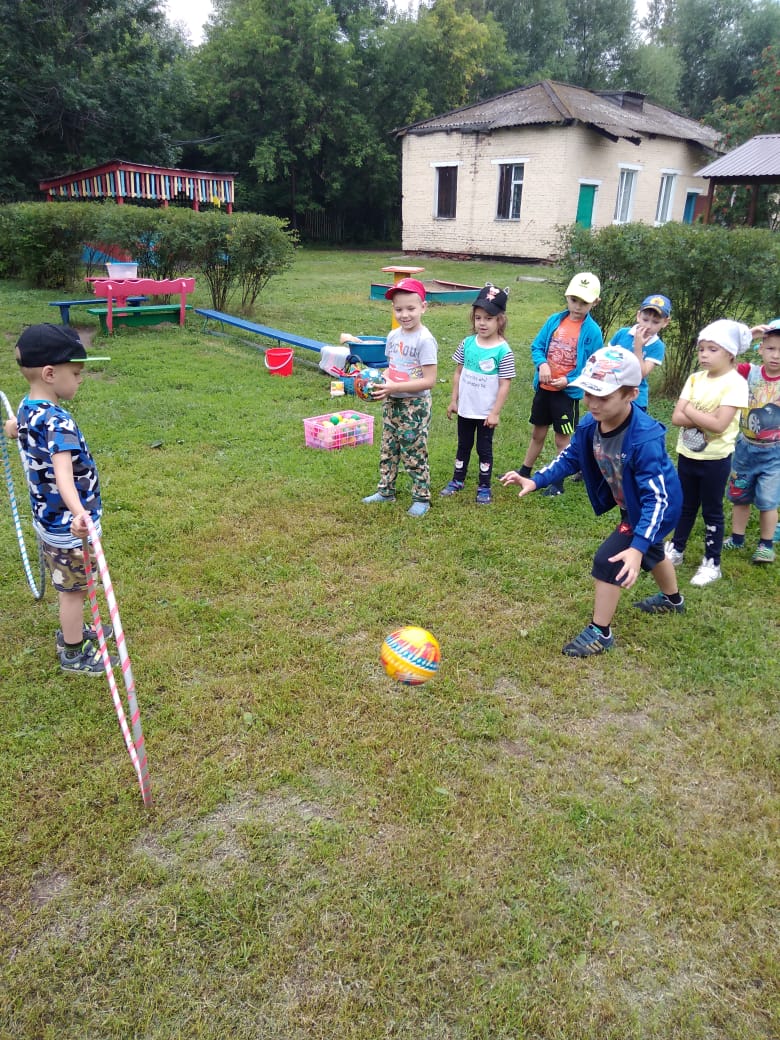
[[707, 272], [83, 81]]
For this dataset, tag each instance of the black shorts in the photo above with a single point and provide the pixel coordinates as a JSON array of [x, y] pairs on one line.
[[555, 408], [619, 540]]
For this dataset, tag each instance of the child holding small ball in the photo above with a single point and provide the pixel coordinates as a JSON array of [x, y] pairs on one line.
[[411, 352]]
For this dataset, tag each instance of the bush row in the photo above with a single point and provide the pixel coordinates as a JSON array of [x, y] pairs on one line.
[[708, 272], [44, 244]]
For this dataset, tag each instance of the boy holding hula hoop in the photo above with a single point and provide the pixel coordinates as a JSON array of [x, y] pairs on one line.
[[62, 480]]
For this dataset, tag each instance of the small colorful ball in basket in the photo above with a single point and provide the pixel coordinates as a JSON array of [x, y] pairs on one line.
[[410, 655], [365, 381]]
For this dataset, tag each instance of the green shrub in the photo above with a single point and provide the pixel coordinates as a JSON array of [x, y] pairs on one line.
[[707, 272], [45, 242], [259, 247]]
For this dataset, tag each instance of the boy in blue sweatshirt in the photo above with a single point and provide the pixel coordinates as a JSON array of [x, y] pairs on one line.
[[558, 352], [621, 452]]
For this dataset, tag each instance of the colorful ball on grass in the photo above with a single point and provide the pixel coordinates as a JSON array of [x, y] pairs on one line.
[[365, 381], [410, 655]]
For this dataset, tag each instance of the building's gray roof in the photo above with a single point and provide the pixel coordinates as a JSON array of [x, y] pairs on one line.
[[616, 114], [758, 157]]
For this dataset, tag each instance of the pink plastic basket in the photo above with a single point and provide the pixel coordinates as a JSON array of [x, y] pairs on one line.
[[353, 428]]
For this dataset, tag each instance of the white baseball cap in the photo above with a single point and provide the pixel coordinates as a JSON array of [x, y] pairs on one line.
[[607, 370], [586, 286]]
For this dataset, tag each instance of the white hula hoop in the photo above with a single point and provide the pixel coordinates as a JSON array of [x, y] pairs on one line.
[[134, 742]]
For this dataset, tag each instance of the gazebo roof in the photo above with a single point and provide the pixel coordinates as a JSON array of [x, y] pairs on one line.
[[122, 180], [757, 158]]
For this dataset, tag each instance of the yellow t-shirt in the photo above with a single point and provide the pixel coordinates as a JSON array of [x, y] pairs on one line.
[[708, 395]]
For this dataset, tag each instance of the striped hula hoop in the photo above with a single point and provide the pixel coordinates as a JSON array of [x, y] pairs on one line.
[[134, 742], [38, 587]]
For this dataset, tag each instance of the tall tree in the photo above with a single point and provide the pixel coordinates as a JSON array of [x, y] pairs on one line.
[[82, 81], [719, 44]]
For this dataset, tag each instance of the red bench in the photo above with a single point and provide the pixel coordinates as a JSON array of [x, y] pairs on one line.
[[118, 291]]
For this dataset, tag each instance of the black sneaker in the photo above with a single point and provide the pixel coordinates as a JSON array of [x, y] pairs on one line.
[[660, 604], [87, 632], [86, 661], [553, 490], [589, 642]]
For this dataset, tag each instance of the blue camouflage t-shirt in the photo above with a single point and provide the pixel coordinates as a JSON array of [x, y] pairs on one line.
[[45, 429]]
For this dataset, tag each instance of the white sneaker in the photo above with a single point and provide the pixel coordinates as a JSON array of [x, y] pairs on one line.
[[674, 556], [707, 573]]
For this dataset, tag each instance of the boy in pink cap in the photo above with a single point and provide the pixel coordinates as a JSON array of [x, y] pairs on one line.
[[411, 353]]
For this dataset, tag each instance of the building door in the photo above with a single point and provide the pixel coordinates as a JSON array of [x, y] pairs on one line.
[[585, 204], [690, 207]]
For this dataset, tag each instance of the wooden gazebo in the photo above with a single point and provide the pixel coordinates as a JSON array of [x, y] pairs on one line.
[[130, 182], [752, 164]]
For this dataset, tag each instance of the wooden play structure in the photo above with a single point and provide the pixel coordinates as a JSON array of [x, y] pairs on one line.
[[131, 182]]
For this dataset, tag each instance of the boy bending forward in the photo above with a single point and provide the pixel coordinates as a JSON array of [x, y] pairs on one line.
[[621, 452]]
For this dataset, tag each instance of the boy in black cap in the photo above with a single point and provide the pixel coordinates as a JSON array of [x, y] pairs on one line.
[[62, 479], [485, 367]]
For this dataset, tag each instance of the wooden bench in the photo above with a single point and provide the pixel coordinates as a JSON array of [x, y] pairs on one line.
[[117, 291], [65, 305], [154, 314]]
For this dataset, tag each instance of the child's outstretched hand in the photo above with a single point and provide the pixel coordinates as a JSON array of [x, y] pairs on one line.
[[513, 477], [11, 428]]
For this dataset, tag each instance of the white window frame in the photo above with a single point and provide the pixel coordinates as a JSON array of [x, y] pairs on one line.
[[439, 166], [666, 191], [512, 161], [626, 192]]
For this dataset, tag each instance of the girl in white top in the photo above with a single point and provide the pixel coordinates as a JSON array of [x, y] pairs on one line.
[[484, 369], [707, 413]]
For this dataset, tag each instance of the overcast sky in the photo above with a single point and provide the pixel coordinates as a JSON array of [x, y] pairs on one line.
[[193, 13]]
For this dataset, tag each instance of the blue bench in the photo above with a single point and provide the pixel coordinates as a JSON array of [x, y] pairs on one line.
[[65, 305], [261, 330], [267, 331]]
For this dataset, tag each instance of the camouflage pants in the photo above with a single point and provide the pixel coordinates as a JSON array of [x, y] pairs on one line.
[[405, 422]]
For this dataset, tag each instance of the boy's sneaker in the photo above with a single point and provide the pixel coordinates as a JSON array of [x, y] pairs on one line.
[[452, 488], [729, 543], [764, 554], [484, 496], [418, 508], [87, 632], [86, 661], [553, 490], [708, 572], [381, 499], [660, 604], [674, 556], [590, 641]]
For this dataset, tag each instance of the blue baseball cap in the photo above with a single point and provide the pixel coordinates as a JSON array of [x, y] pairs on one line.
[[659, 303]]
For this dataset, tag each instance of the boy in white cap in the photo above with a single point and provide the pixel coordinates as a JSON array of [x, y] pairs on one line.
[[707, 413], [62, 480], [621, 452], [559, 352]]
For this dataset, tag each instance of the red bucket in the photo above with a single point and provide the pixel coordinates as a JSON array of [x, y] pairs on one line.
[[279, 361]]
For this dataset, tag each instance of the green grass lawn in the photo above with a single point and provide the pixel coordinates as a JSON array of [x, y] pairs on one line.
[[526, 847]]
